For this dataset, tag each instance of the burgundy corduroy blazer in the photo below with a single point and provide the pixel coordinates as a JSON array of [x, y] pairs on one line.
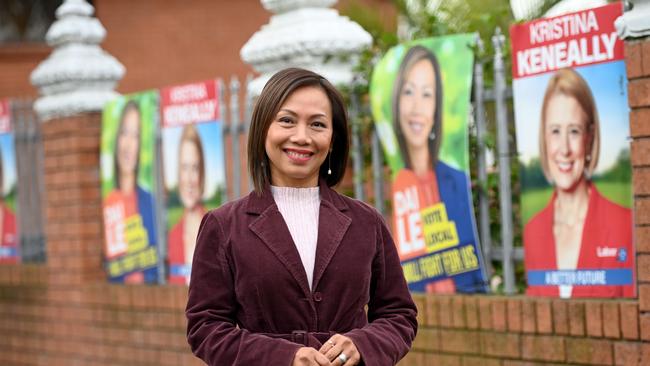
[[249, 299]]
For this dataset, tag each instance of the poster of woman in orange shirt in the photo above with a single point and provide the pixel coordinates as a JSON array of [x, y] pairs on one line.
[[131, 245], [426, 86]]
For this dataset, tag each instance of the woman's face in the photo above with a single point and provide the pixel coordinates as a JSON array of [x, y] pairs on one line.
[[128, 143], [189, 182], [566, 140], [299, 138], [417, 103]]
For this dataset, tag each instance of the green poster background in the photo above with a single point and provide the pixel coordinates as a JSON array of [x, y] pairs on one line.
[[456, 61]]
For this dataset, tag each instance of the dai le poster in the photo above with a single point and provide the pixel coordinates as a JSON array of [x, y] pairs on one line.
[[420, 95], [128, 162]]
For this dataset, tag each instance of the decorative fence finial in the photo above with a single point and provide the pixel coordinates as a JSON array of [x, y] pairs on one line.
[[307, 34], [635, 22], [78, 76]]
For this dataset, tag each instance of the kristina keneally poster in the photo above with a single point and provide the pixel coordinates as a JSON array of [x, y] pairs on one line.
[[571, 111], [128, 161], [194, 167], [420, 95], [9, 252]]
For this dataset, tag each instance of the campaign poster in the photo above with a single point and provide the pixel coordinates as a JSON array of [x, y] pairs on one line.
[[9, 246], [420, 96], [571, 111], [128, 182], [194, 167]]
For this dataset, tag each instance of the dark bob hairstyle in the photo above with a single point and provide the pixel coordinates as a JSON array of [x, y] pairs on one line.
[[131, 105], [414, 55], [273, 96]]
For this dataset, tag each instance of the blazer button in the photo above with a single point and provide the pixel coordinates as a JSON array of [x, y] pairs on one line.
[[318, 296]]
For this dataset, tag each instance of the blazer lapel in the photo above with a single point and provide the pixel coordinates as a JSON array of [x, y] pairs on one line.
[[332, 226], [271, 228]]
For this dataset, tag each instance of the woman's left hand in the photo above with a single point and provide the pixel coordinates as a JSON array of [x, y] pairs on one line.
[[341, 351]]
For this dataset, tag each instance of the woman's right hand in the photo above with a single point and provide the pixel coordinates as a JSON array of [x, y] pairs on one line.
[[308, 356]]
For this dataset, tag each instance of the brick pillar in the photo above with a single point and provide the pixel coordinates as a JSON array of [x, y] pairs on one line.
[[73, 199], [638, 72]]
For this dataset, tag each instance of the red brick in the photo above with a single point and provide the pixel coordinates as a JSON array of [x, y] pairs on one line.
[[514, 315], [644, 297], [419, 299], [427, 340], [645, 50], [561, 317], [543, 348], [444, 310], [640, 122], [411, 359], [459, 341], [594, 318], [485, 312], [441, 360], [639, 93], [499, 314], [544, 316], [458, 312], [640, 152], [471, 312], [479, 361], [633, 59], [642, 210], [642, 239], [577, 318], [589, 351], [611, 328], [644, 324], [629, 320], [627, 354], [501, 344], [528, 315], [643, 267], [641, 179], [431, 304]]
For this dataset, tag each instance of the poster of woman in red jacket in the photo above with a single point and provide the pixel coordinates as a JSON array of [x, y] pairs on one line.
[[572, 131]]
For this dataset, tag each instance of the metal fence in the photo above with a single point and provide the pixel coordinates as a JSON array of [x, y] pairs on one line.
[[369, 173], [29, 181]]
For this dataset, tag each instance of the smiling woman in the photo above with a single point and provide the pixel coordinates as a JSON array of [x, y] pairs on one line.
[[300, 138], [296, 274]]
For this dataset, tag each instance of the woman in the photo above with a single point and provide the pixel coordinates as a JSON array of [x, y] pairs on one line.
[[128, 202], [417, 121], [579, 228], [284, 276], [191, 182], [8, 239]]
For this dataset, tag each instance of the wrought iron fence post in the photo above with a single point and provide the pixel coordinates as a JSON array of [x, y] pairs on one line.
[[248, 113], [224, 129], [378, 172], [357, 154], [479, 118], [504, 162], [234, 137]]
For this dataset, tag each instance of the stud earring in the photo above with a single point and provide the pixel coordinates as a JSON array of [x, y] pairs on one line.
[[432, 136]]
